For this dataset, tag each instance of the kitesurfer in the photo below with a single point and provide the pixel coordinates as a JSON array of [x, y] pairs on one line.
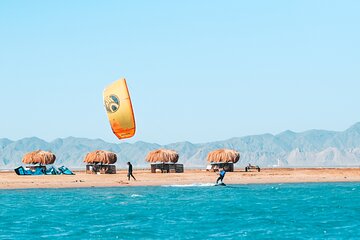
[[130, 174], [222, 175]]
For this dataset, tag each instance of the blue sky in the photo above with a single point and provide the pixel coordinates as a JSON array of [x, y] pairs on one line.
[[197, 70]]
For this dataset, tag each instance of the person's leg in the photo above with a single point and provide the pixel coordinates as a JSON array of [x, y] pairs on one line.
[[219, 178], [128, 175], [133, 176], [222, 178]]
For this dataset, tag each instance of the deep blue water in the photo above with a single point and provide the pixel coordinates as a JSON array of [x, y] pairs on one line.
[[272, 211]]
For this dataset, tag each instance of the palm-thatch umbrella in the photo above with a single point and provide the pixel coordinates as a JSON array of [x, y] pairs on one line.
[[162, 155], [100, 156], [223, 156], [39, 157]]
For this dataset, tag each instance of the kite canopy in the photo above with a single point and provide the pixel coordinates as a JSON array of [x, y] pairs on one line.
[[162, 155], [223, 156], [39, 157], [101, 156], [119, 109]]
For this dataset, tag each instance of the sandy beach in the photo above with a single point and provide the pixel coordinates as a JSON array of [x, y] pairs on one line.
[[9, 180]]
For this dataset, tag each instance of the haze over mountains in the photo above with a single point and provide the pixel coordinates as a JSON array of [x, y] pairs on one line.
[[314, 148]]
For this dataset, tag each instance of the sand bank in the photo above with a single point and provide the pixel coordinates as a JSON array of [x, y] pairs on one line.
[[9, 180]]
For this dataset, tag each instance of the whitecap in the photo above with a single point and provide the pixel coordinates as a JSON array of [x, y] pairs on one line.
[[136, 195]]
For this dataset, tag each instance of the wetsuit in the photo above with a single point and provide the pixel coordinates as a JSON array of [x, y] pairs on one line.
[[130, 172], [221, 177]]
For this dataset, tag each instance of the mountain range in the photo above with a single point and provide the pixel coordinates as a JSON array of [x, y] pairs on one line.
[[313, 148]]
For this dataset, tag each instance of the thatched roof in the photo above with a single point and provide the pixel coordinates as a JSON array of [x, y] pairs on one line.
[[39, 157], [223, 156], [101, 156], [162, 155]]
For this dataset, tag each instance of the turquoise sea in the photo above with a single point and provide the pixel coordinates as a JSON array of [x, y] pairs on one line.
[[271, 211]]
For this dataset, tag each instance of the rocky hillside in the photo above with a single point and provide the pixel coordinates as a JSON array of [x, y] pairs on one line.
[[287, 149]]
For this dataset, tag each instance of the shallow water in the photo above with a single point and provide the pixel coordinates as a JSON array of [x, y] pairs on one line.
[[273, 211]]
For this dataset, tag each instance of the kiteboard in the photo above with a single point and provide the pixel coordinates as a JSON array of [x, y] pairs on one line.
[[220, 184]]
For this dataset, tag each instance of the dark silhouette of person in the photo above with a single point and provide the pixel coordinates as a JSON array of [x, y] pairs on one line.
[[130, 174], [221, 177]]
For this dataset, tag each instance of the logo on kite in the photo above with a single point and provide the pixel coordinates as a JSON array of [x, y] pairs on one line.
[[112, 103]]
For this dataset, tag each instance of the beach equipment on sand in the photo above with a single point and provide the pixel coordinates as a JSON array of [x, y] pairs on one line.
[[100, 161], [249, 167], [22, 171], [164, 161], [223, 158], [119, 109], [52, 171], [40, 171], [65, 171]]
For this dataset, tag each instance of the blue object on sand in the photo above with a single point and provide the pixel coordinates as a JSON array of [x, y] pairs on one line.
[[52, 171], [40, 171], [65, 171], [22, 171]]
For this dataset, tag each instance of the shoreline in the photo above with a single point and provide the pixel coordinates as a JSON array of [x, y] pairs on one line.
[[9, 180]]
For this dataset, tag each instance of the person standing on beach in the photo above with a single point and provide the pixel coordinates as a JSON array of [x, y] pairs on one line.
[[130, 174], [222, 175]]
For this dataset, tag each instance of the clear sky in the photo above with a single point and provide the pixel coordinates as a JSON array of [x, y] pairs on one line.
[[197, 70]]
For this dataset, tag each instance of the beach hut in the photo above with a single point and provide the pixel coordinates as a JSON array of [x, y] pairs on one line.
[[100, 161], [38, 159], [223, 158], [164, 161]]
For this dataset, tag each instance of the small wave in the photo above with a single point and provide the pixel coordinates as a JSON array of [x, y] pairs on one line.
[[136, 195], [191, 185]]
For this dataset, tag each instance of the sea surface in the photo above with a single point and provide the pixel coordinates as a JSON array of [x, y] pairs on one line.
[[198, 211]]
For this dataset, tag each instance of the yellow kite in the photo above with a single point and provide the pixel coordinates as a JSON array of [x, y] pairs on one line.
[[119, 109]]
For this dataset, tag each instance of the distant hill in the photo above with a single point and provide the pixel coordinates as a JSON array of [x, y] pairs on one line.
[[316, 148]]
